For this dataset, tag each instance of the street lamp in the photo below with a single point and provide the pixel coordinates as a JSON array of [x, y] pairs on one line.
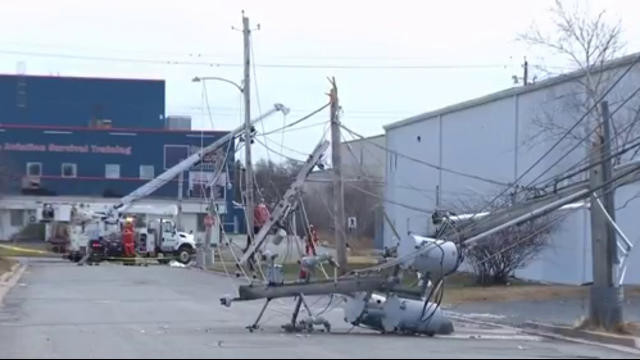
[[199, 79]]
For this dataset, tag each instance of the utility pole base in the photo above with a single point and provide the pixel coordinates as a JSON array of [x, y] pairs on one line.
[[605, 309]]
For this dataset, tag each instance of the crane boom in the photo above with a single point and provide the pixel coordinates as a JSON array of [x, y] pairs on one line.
[[288, 200], [162, 179]]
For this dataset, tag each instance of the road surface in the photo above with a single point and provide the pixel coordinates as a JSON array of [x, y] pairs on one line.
[[59, 310]]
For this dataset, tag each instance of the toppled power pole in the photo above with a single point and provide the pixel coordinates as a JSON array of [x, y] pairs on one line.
[[338, 184], [606, 296]]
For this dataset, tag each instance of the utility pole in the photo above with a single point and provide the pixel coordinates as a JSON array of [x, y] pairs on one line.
[[249, 203], [338, 185], [525, 76], [606, 296]]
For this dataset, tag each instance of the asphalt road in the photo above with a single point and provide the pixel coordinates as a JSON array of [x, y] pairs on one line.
[[59, 310]]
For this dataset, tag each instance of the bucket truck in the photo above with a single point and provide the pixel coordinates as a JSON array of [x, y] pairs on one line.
[[91, 222]]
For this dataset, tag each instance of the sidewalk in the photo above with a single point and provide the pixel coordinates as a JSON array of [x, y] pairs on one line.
[[565, 312], [557, 316]]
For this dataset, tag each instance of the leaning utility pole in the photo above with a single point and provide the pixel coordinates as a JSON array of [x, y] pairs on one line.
[[606, 296], [338, 185], [248, 192]]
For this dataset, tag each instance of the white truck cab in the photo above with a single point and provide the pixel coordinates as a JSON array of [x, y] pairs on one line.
[[161, 238]]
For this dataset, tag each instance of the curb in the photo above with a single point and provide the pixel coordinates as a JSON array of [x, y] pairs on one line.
[[6, 276], [546, 331], [10, 279], [613, 339]]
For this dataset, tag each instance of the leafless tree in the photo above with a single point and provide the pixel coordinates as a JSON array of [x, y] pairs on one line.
[[362, 198], [496, 258], [588, 41], [273, 179]]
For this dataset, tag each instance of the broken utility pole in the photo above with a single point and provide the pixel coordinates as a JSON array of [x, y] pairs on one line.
[[338, 185], [606, 296]]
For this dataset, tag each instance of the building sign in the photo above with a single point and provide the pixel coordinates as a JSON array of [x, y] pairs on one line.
[[352, 223], [68, 148], [204, 178], [210, 161], [200, 181]]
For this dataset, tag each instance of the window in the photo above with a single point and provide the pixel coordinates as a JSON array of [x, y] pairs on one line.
[[112, 171], [17, 217], [200, 220], [147, 172], [173, 154], [69, 170], [34, 169]]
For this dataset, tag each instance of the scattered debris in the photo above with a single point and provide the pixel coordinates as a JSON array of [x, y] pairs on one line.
[[177, 264]]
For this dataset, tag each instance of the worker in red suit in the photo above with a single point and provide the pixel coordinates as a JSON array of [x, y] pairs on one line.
[[261, 215], [312, 241], [128, 239]]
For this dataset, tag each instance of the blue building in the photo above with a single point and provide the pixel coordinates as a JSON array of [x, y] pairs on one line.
[[74, 101], [101, 138]]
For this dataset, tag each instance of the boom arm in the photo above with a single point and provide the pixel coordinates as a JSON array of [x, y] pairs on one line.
[[285, 205], [162, 179]]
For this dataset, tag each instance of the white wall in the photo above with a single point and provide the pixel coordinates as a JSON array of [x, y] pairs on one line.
[[364, 154], [408, 182], [6, 229], [496, 140]]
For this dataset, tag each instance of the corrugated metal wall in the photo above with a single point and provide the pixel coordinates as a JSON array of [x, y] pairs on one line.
[[496, 140]]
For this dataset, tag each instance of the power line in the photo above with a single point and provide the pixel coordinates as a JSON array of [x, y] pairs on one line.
[[381, 112], [204, 55], [277, 152], [306, 127], [618, 153], [284, 147], [564, 136], [314, 112], [269, 65], [419, 161], [381, 198], [255, 81], [588, 136], [368, 176]]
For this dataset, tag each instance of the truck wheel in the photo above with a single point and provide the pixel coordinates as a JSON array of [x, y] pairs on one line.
[[184, 254]]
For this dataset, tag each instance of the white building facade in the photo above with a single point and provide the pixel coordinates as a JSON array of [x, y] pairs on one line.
[[499, 137], [18, 211]]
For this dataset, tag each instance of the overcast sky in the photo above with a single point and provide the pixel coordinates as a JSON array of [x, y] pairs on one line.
[[463, 49]]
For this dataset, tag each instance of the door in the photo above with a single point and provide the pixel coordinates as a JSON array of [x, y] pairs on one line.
[[169, 238]]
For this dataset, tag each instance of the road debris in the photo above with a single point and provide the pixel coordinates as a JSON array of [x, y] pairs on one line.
[[176, 264]]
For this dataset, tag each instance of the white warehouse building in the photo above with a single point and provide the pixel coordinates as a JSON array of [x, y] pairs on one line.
[[499, 137]]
